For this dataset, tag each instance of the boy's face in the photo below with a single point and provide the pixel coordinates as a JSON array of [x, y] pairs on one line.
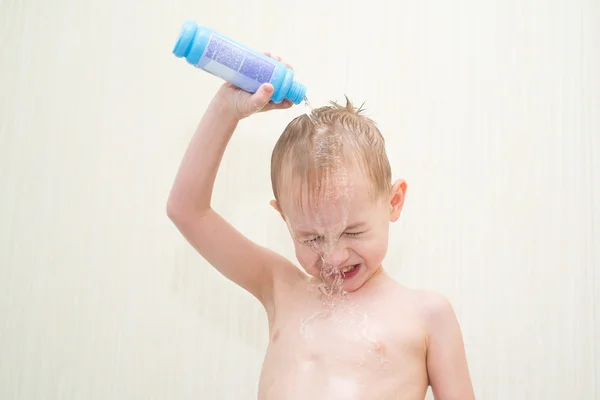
[[343, 234]]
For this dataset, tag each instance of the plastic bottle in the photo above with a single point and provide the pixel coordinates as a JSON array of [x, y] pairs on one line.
[[233, 62]]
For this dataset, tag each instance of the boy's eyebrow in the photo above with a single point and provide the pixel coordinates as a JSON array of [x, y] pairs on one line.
[[355, 225], [305, 233]]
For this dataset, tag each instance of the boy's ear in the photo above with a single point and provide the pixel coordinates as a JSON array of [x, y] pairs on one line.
[[277, 208], [398, 193]]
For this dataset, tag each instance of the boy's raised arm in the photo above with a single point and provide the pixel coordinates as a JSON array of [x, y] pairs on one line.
[[189, 206]]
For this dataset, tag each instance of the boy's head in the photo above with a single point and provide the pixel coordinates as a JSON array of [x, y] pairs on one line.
[[332, 184]]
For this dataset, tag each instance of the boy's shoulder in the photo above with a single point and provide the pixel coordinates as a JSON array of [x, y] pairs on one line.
[[428, 313], [431, 301], [429, 305], [435, 312]]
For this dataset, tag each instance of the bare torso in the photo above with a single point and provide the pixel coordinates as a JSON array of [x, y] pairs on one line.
[[366, 345]]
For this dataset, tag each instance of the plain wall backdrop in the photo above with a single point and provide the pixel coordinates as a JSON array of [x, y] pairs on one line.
[[491, 113]]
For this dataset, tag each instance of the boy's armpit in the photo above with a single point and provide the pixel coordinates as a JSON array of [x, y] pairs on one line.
[[239, 259]]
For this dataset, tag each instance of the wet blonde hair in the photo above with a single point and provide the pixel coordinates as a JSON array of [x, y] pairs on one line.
[[333, 138]]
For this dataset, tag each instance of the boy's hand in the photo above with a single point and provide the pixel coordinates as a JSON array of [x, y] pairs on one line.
[[243, 104]]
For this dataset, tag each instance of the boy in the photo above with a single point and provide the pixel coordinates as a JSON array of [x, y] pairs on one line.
[[343, 329]]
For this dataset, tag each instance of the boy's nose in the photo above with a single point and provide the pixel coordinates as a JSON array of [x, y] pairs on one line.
[[336, 257]]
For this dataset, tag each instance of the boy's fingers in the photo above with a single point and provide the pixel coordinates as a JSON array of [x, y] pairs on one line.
[[281, 106], [281, 60], [260, 101], [266, 90], [268, 54], [262, 96]]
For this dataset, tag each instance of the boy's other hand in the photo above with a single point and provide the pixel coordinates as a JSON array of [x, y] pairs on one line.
[[243, 104]]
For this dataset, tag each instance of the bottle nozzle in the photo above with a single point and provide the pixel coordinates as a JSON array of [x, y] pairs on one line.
[[297, 93]]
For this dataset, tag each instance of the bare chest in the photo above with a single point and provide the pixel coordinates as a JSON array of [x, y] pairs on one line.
[[345, 350]]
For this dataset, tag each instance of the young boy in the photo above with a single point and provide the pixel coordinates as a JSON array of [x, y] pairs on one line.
[[342, 328]]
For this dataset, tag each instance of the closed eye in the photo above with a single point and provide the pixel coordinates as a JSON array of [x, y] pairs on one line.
[[354, 233], [313, 240], [319, 238]]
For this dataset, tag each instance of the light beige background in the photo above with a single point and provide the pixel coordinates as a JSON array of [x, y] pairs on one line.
[[491, 112]]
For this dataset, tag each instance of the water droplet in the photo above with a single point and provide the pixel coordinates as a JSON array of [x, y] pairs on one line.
[[310, 109]]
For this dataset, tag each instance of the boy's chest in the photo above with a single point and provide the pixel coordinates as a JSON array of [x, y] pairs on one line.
[[359, 344], [363, 333]]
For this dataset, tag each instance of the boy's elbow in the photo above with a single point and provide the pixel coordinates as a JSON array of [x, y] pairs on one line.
[[179, 212], [175, 211]]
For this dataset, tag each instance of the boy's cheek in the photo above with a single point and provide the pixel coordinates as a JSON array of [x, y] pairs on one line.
[[309, 260], [374, 250]]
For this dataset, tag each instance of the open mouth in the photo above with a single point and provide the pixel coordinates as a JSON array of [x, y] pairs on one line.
[[350, 271]]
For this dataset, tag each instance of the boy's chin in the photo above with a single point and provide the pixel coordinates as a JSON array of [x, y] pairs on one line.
[[354, 284]]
